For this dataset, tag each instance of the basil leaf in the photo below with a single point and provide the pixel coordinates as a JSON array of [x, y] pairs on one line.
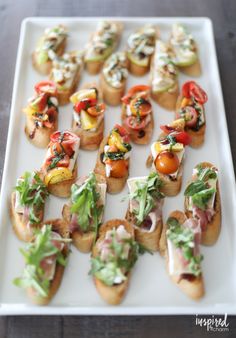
[[201, 198]]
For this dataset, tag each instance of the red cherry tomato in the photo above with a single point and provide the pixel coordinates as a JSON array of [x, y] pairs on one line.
[[133, 91], [134, 124], [123, 132], [192, 89], [97, 110], [51, 117], [182, 137], [140, 106], [167, 162], [63, 141], [85, 104], [198, 93], [190, 115], [47, 86]]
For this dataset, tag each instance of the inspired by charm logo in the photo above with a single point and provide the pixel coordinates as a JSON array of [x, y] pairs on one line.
[[214, 324]]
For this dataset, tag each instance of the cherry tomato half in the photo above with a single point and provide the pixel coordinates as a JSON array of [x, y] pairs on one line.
[[133, 123], [119, 168], [47, 86], [167, 162], [133, 91], [96, 110], [140, 106], [198, 93], [63, 141], [190, 116], [123, 132], [182, 137]]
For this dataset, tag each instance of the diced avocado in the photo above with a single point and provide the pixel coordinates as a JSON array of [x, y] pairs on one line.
[[139, 62]]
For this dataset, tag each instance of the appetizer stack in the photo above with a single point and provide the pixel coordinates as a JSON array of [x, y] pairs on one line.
[[115, 244]]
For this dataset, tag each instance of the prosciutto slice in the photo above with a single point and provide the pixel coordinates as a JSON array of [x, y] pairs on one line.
[[204, 216]]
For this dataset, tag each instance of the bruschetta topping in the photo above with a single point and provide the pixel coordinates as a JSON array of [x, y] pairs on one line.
[[168, 153], [30, 197], [88, 200], [183, 46], [141, 45], [201, 193], [164, 71], [117, 152], [118, 253], [183, 247], [49, 43], [41, 257], [88, 111], [192, 105], [61, 157], [138, 107], [145, 201], [65, 68], [103, 41], [43, 107], [115, 69]]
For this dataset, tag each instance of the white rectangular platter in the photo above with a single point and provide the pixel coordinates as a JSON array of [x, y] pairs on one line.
[[150, 291]]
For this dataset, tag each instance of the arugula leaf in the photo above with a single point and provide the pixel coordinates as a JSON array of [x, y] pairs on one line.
[[85, 204], [201, 198], [183, 238], [146, 195], [194, 187], [35, 252], [33, 194], [204, 174]]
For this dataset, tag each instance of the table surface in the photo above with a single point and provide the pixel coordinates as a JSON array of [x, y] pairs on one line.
[[222, 13]]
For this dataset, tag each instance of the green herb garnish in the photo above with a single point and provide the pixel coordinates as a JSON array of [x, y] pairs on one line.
[[146, 194], [183, 238], [85, 200], [33, 194], [35, 252]]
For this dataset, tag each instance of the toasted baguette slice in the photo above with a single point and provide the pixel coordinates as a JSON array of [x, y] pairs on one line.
[[193, 287], [114, 185], [111, 294], [60, 226], [212, 231], [93, 67], [142, 136], [83, 241], [64, 95], [197, 137], [166, 99], [46, 67], [149, 240], [22, 230], [138, 70], [112, 95], [192, 70], [89, 140], [39, 136]]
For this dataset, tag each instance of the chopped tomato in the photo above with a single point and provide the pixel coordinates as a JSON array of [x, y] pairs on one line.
[[64, 162], [167, 162], [97, 110], [119, 168], [40, 102], [51, 117], [140, 106], [198, 93], [133, 91], [133, 123], [123, 132], [47, 86], [182, 137], [63, 141], [192, 89], [85, 104]]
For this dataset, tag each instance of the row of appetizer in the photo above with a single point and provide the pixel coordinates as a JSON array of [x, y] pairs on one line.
[[88, 116], [115, 244], [145, 51]]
